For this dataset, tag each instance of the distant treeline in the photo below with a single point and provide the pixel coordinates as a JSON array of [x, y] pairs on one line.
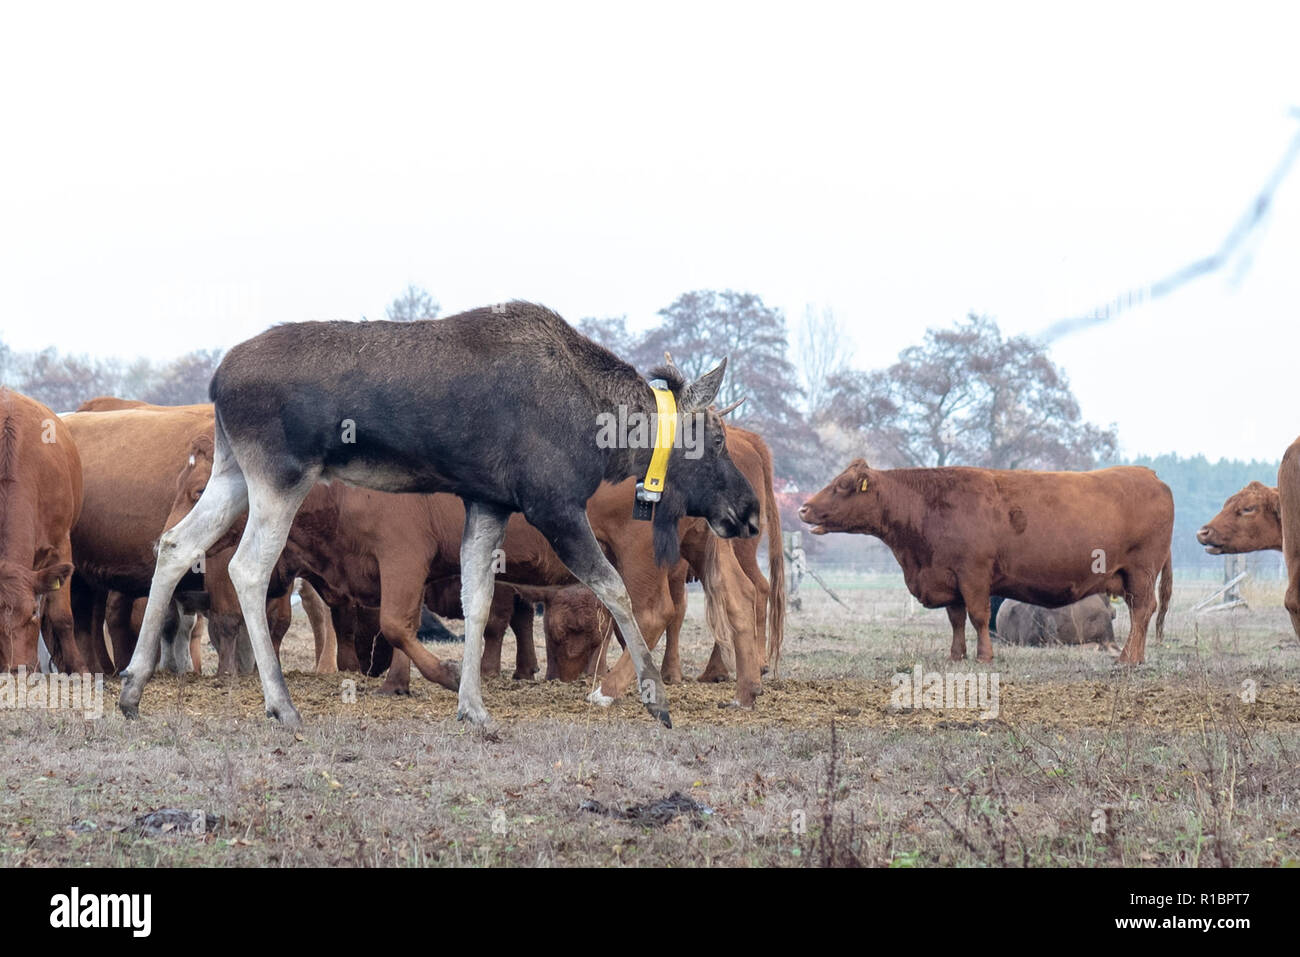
[[1200, 488], [63, 381]]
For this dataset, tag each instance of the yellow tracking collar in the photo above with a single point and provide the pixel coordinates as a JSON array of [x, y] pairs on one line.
[[657, 473]]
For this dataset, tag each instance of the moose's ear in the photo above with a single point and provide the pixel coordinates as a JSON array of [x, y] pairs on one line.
[[51, 578], [701, 393]]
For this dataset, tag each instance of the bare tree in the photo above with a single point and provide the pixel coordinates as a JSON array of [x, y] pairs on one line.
[[966, 396], [184, 380], [414, 303], [822, 350]]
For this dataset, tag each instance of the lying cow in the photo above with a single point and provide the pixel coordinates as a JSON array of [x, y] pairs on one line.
[[1084, 622], [1049, 538], [40, 499], [1250, 521]]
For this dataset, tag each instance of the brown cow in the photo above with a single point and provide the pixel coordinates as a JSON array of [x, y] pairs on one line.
[[135, 457], [40, 499], [729, 572], [1288, 488], [1048, 538], [1250, 521], [579, 632], [130, 459]]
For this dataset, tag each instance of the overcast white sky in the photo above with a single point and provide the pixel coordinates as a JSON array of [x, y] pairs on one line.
[[180, 178]]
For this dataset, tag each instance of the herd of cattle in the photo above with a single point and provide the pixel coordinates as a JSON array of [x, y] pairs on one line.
[[94, 502]]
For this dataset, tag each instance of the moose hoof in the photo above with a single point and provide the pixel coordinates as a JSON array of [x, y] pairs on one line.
[[286, 714], [473, 712], [660, 712], [596, 697]]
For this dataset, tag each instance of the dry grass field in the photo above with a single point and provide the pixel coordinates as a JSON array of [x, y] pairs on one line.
[[1190, 760]]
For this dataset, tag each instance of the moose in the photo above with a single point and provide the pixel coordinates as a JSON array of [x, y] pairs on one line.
[[499, 405]]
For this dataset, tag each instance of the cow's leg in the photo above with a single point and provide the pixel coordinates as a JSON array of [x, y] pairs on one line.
[[957, 618], [521, 623], [58, 615], [729, 608], [279, 614], [344, 620], [224, 499], [197, 634], [672, 665], [270, 516], [398, 679], [1291, 600], [117, 619], [1140, 594], [169, 630], [322, 628], [485, 530], [401, 595], [87, 615], [747, 555]]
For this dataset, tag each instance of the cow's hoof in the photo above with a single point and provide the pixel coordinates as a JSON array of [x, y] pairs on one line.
[[286, 714], [985, 661], [713, 677], [598, 697], [672, 677], [661, 712], [394, 691], [129, 711], [956, 657]]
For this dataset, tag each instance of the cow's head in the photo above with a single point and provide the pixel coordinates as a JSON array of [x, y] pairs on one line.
[[702, 480], [22, 593], [576, 625], [846, 505], [1250, 521], [192, 479]]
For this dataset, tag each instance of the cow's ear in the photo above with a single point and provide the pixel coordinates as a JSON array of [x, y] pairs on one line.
[[701, 393], [51, 578]]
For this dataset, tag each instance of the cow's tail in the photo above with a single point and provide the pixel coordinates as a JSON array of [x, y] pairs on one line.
[[775, 570], [1166, 593]]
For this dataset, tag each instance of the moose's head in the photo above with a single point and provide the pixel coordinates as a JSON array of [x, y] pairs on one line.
[[702, 481]]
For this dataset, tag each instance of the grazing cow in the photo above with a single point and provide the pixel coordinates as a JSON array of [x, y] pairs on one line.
[[1048, 538], [579, 632], [1080, 623], [1288, 488], [1250, 521], [501, 406], [40, 499]]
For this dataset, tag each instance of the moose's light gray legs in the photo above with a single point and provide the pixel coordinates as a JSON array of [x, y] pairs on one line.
[[224, 499], [270, 515], [485, 530]]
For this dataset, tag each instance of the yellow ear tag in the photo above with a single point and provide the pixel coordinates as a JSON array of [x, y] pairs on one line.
[[864, 485], [58, 583]]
